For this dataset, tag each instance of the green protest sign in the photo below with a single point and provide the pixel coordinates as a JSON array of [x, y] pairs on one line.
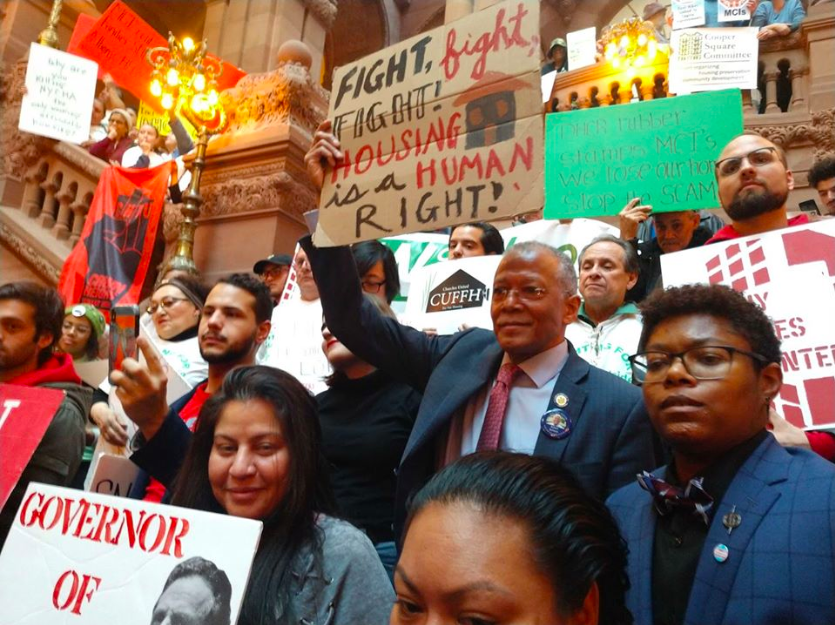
[[662, 151]]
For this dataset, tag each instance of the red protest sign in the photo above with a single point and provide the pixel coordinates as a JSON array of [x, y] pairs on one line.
[[25, 414], [119, 41], [82, 26]]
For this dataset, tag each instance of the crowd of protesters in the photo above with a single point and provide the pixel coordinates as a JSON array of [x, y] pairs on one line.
[[609, 453]]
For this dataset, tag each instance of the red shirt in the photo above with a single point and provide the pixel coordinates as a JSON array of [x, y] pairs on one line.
[[188, 413], [729, 232]]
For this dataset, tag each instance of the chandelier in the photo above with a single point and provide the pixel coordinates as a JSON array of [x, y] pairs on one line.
[[631, 44]]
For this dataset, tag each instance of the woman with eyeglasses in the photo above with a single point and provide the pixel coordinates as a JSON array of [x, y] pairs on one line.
[[366, 419], [256, 454], [377, 269], [81, 332]]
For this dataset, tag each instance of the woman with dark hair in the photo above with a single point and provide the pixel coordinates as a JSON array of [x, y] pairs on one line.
[[510, 538], [366, 419], [377, 269], [256, 454]]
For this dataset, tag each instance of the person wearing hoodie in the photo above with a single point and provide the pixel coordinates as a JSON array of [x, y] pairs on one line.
[[30, 325]]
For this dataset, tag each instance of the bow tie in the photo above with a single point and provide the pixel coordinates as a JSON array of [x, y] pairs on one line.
[[666, 497]]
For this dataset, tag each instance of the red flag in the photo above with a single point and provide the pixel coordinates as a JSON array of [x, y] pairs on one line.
[[109, 263]]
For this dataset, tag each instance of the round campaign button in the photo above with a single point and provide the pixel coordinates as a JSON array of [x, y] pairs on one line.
[[720, 552], [556, 424], [561, 400]]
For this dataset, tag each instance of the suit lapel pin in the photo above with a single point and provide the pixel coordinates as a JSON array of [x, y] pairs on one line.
[[732, 520], [556, 424], [561, 400], [720, 552]]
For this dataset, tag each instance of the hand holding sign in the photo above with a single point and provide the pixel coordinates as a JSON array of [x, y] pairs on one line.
[[324, 151], [631, 217], [141, 389]]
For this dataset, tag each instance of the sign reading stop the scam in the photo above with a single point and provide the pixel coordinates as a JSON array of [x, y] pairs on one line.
[[663, 151], [443, 128]]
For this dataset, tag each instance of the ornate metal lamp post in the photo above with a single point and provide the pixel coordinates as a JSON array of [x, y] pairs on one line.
[[185, 81], [49, 35]]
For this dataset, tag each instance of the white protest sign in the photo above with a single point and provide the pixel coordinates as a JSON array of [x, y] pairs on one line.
[[712, 59], [688, 13], [60, 89], [449, 295], [92, 372], [546, 82], [582, 47], [443, 299], [113, 475], [440, 129], [790, 273], [294, 343], [412, 251], [732, 10], [77, 557]]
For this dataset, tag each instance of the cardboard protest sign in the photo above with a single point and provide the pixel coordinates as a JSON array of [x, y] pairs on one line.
[[119, 41], [790, 274], [710, 59], [60, 89], [92, 559], [441, 129], [732, 10], [688, 13], [663, 151], [25, 415], [582, 48]]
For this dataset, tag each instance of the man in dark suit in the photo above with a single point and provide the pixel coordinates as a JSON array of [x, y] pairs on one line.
[[557, 405], [737, 529]]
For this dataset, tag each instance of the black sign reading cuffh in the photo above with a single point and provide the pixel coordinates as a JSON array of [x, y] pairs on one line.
[[458, 291]]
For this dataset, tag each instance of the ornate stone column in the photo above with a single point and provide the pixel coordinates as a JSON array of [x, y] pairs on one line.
[[770, 77], [32, 192], [79, 210], [49, 202], [798, 88], [62, 223]]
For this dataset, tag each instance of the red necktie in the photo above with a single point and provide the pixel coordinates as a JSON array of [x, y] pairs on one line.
[[491, 430]]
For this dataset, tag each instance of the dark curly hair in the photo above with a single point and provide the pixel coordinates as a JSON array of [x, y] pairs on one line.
[[215, 579], [255, 287], [575, 540], [823, 169], [747, 319], [48, 306]]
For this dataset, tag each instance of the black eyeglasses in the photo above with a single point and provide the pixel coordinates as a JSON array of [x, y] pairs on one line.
[[371, 287], [706, 362], [758, 158]]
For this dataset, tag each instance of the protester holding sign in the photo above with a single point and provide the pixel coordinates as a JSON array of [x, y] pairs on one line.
[[256, 454], [513, 539], [366, 419], [30, 325], [778, 18], [736, 529]]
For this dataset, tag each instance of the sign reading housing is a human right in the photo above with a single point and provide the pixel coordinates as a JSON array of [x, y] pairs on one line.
[[441, 129]]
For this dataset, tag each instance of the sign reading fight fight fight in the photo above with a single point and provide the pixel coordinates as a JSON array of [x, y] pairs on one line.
[[79, 557], [790, 274], [441, 129], [663, 151]]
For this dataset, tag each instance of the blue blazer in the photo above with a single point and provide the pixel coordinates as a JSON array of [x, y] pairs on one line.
[[781, 564], [612, 438]]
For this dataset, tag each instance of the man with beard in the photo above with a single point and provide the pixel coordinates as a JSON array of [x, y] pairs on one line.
[[234, 322], [754, 182]]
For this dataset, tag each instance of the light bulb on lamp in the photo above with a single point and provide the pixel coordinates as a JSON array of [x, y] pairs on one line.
[[188, 44], [167, 101], [173, 77]]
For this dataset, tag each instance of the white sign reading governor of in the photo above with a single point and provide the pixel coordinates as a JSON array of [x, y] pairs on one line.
[[60, 89]]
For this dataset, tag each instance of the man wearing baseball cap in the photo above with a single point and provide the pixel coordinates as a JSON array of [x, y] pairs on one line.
[[274, 271], [557, 57], [656, 13]]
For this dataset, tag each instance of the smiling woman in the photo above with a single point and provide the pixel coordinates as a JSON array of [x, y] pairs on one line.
[[256, 454]]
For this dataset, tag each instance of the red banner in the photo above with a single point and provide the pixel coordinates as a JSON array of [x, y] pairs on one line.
[[25, 414], [110, 262], [119, 41]]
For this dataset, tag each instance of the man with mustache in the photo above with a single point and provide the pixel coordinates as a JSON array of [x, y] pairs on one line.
[[754, 181], [736, 529], [234, 322]]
